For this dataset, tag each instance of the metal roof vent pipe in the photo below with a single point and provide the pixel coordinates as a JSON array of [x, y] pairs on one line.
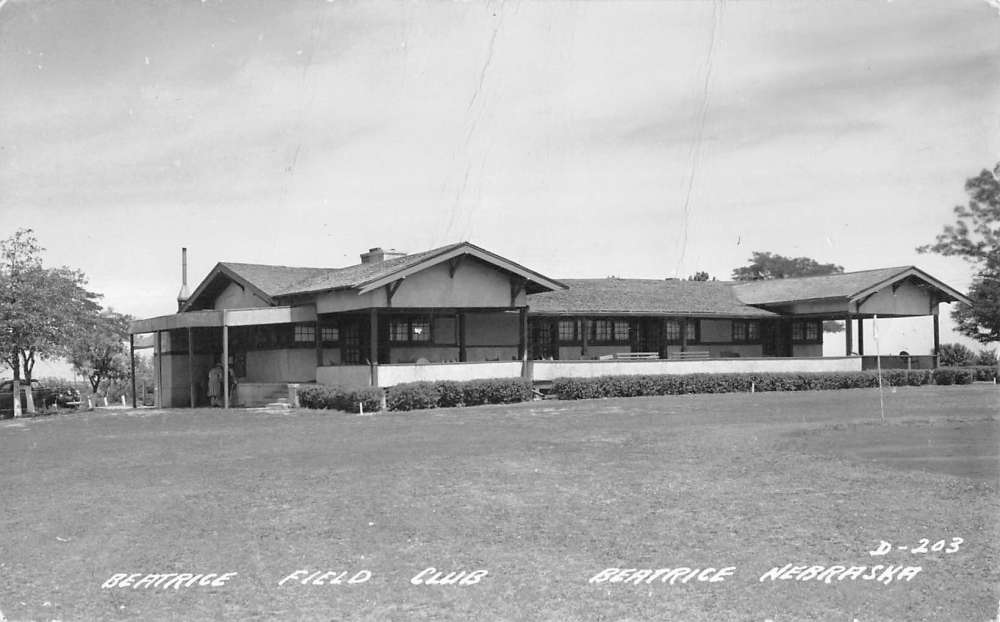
[[182, 296]]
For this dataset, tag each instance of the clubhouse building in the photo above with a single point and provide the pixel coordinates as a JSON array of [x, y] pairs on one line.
[[461, 312]]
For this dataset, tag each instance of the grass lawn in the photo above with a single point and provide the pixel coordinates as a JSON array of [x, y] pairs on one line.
[[543, 496]]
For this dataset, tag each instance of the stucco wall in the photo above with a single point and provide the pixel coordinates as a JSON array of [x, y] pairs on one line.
[[234, 297], [908, 299], [491, 329], [716, 331], [389, 375], [807, 349], [475, 284], [286, 365], [549, 370]]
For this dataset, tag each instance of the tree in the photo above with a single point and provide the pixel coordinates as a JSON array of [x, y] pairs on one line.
[[770, 266], [700, 276], [101, 355], [955, 355], [975, 237], [987, 356], [765, 266], [43, 311]]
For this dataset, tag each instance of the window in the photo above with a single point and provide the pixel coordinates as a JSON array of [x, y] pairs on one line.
[[329, 334], [746, 331], [305, 333], [603, 329], [420, 330], [567, 330], [673, 331], [621, 331], [739, 330], [610, 331], [406, 330], [812, 331], [806, 331]]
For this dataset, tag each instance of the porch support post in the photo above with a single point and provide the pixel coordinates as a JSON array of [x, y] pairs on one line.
[[937, 338], [522, 334], [684, 334], [373, 344], [158, 363], [663, 338], [462, 357], [190, 367], [319, 344], [131, 360], [848, 335], [225, 360], [861, 336], [585, 327]]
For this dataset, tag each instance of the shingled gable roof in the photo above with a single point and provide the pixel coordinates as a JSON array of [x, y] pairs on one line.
[[847, 285], [274, 282], [646, 297]]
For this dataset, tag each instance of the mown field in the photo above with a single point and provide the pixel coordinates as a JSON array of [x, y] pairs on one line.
[[543, 496]]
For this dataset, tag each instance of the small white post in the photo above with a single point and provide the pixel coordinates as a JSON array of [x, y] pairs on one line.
[[123, 400], [361, 408], [753, 387]]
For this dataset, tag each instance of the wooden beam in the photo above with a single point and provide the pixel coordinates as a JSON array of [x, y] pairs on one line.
[[848, 335], [516, 287], [190, 367], [390, 291], [319, 343], [158, 364], [373, 336], [684, 334], [861, 336], [585, 326], [522, 334]]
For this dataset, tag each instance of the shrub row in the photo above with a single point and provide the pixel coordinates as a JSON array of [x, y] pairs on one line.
[[445, 393], [339, 398], [979, 372], [676, 384]]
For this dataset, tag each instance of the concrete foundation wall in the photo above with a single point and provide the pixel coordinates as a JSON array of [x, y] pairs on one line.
[[431, 353], [389, 375], [549, 370], [287, 365]]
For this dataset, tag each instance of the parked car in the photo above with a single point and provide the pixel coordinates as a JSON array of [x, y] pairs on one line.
[[44, 396]]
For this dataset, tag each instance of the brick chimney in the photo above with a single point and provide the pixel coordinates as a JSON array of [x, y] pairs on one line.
[[377, 255]]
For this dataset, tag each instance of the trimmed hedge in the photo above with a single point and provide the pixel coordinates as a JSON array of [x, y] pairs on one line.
[[677, 384], [953, 375], [445, 393], [339, 398], [982, 372]]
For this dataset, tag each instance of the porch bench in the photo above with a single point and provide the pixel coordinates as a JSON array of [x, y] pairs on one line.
[[690, 355]]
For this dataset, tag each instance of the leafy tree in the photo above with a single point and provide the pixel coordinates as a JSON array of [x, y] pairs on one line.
[[102, 356], [955, 355], [765, 266], [772, 266], [975, 237], [700, 276], [43, 311], [986, 356]]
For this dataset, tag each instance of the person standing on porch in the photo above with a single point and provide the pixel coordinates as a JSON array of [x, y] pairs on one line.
[[215, 385]]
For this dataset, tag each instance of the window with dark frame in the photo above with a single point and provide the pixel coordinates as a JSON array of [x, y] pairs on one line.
[[603, 331], [329, 334], [567, 331], [305, 333], [797, 331], [812, 331], [746, 331], [410, 329]]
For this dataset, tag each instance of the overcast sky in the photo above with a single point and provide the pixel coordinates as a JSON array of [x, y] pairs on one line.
[[647, 139]]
